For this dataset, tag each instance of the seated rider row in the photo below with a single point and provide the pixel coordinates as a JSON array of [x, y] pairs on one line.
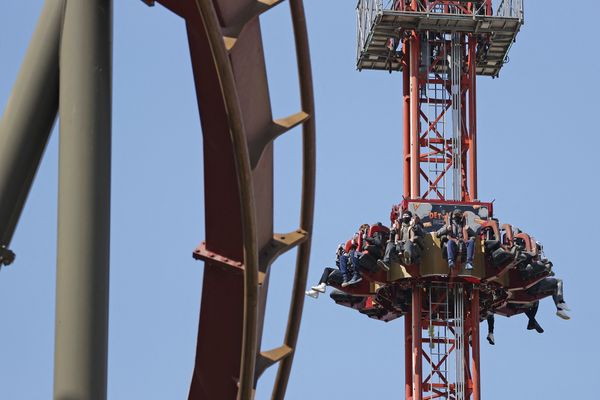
[[548, 285], [364, 249], [405, 244], [347, 262]]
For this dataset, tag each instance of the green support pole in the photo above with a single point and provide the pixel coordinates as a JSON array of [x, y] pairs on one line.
[[29, 116], [82, 283]]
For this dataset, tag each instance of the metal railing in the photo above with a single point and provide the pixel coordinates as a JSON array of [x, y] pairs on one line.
[[436, 6], [511, 9], [366, 13]]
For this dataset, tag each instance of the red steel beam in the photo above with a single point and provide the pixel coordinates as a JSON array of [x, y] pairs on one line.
[[415, 179], [417, 344], [475, 374], [406, 109], [473, 119], [217, 367], [408, 371]]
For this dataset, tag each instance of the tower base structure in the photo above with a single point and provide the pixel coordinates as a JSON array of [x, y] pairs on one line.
[[443, 349]]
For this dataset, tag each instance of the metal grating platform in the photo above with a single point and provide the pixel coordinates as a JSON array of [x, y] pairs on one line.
[[388, 24]]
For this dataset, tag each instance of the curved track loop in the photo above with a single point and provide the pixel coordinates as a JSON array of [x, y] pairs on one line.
[[227, 80], [246, 191], [231, 84], [308, 193]]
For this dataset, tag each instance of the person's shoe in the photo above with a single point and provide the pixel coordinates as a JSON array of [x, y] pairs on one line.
[[319, 288], [533, 324], [562, 314], [563, 306], [468, 266], [345, 283], [312, 293], [451, 264], [383, 265], [355, 279], [490, 339], [530, 325], [7, 256]]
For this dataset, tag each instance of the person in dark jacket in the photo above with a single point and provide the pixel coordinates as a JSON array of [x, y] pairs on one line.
[[331, 275], [404, 242], [353, 255], [458, 234]]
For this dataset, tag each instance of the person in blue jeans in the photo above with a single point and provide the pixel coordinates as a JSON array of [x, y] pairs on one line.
[[347, 261], [458, 234], [349, 264]]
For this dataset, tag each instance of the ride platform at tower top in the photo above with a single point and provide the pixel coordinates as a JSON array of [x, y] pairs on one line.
[[380, 21]]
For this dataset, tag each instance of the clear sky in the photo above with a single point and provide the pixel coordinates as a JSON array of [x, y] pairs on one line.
[[537, 139]]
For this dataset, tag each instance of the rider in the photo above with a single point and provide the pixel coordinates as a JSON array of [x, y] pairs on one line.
[[404, 240], [353, 254], [458, 234], [555, 286], [330, 275]]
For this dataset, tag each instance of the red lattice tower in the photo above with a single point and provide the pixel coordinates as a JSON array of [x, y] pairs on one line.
[[440, 47]]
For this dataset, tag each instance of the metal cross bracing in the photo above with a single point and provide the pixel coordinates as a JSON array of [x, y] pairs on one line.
[[440, 163], [444, 342], [440, 156]]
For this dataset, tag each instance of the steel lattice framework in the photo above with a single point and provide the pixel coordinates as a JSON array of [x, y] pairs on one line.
[[442, 125], [440, 47]]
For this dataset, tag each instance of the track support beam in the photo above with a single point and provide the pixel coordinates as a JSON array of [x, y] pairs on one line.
[[29, 116], [81, 341]]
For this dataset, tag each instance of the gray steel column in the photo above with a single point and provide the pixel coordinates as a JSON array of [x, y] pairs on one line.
[[81, 343], [28, 118]]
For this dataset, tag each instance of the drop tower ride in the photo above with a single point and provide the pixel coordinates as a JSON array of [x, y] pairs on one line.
[[440, 47]]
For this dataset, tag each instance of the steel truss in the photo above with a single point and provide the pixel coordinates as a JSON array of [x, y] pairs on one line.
[[442, 123], [440, 162], [442, 342]]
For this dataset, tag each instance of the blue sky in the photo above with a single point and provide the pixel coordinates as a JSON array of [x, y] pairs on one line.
[[537, 140]]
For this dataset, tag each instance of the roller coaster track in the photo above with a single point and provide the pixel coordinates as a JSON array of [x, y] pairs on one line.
[[231, 85]]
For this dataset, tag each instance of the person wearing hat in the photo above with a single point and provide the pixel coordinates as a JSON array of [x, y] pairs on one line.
[[458, 234]]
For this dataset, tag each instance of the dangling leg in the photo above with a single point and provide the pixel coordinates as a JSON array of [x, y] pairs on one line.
[[490, 323], [559, 301], [387, 257], [323, 281], [356, 277], [470, 253], [452, 249], [531, 313], [345, 270]]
